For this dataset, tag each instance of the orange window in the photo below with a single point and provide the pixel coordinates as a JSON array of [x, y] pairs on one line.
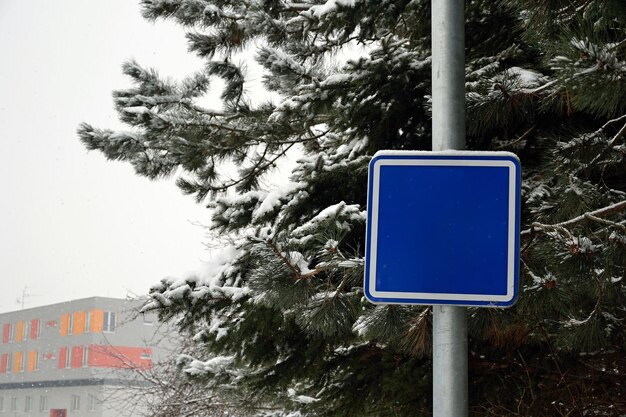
[[65, 324], [79, 322], [19, 331], [97, 319], [33, 361], [18, 362]]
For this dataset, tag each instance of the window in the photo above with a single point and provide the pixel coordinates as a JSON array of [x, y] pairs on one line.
[[27, 403], [109, 322], [75, 405], [9, 363], [79, 319], [85, 360], [3, 363], [64, 358], [11, 333], [35, 329], [92, 403], [18, 333], [18, 362], [6, 332], [64, 324], [13, 403], [43, 403], [144, 355], [33, 361]]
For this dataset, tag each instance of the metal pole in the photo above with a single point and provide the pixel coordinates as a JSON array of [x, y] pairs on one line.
[[449, 362], [450, 397], [448, 74]]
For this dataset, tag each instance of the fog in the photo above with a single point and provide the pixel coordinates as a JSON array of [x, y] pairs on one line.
[[72, 224]]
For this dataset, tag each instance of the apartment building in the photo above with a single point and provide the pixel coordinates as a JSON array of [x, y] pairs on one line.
[[68, 359]]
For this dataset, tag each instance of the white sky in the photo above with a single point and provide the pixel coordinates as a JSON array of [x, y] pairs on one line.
[[72, 224]]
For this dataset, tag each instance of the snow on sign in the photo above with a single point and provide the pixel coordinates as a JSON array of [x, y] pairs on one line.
[[443, 228]]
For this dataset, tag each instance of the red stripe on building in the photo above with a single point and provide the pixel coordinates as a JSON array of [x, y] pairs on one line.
[[103, 356], [62, 356], [34, 329], [3, 363], [6, 332], [77, 356]]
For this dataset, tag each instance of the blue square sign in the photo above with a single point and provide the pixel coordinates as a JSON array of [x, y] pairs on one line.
[[443, 228]]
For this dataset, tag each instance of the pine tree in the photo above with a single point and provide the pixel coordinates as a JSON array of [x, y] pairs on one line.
[[284, 308]]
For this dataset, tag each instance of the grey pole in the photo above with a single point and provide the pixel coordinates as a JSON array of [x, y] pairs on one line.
[[450, 397], [448, 74], [449, 362]]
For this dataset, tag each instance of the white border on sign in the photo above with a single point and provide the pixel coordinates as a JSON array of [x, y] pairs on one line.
[[443, 162]]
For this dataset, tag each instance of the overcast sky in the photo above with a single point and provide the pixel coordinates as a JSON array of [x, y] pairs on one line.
[[72, 224]]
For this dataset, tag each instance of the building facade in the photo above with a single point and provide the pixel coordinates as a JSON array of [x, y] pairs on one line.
[[69, 359]]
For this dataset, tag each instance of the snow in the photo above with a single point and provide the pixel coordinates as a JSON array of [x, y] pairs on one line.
[[198, 286], [329, 7], [269, 203], [584, 244], [519, 79], [123, 136], [297, 259], [346, 350], [603, 56], [351, 263], [337, 79], [276, 60], [137, 110], [575, 322], [220, 261], [540, 282], [360, 326], [615, 237], [212, 9], [214, 365], [538, 194], [336, 211], [331, 245], [273, 199], [353, 148], [158, 300], [303, 399], [216, 327], [179, 293], [527, 78], [324, 295]]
